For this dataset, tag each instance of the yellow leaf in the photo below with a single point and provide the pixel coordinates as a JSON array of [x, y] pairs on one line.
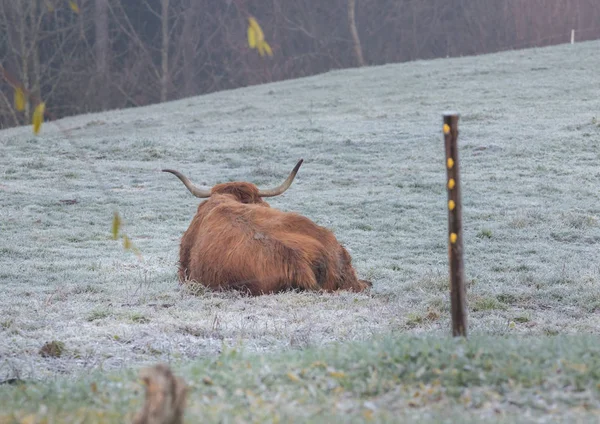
[[19, 99], [261, 48], [74, 7], [337, 374], [267, 48], [49, 6], [251, 37], [126, 243], [38, 117], [257, 29], [293, 377], [256, 38], [116, 224]]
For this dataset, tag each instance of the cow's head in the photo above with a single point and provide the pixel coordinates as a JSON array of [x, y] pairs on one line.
[[241, 191]]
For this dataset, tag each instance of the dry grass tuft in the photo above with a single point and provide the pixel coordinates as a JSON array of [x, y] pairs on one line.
[[52, 349]]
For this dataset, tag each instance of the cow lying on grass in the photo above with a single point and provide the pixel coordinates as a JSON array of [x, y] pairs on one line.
[[237, 241]]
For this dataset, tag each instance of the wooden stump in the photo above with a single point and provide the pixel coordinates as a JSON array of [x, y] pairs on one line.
[[165, 397]]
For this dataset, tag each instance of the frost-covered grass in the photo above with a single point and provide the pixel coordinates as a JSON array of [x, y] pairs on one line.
[[373, 173]]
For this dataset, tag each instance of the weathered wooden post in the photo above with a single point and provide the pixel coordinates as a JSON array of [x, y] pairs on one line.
[[455, 248]]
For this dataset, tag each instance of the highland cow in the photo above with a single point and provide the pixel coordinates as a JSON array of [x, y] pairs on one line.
[[237, 241]]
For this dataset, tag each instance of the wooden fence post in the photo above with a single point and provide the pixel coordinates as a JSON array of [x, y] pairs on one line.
[[455, 239]]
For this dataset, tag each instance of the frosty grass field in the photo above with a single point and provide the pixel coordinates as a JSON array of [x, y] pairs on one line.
[[374, 174]]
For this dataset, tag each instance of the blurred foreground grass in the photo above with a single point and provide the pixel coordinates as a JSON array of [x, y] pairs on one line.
[[495, 379]]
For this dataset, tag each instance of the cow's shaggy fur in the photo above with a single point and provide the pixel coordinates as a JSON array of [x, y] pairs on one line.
[[237, 241]]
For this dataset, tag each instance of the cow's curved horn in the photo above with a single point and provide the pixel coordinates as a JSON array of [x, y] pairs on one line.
[[198, 192], [283, 187]]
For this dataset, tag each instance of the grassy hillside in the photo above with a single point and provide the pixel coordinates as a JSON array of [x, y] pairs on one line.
[[373, 173]]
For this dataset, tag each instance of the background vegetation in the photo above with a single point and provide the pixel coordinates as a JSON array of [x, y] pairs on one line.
[[91, 55]]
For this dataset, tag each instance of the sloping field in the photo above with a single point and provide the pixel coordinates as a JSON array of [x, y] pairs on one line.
[[373, 173]]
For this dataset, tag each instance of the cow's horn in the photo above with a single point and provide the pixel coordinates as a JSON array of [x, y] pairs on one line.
[[198, 192], [283, 187]]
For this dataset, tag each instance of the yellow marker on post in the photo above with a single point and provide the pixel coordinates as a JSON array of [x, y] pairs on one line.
[[451, 183], [446, 128], [453, 238], [451, 205], [450, 163]]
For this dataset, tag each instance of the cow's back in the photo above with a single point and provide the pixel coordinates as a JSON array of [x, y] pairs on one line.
[[235, 245]]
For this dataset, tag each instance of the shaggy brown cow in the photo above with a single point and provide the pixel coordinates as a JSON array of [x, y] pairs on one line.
[[237, 241]]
